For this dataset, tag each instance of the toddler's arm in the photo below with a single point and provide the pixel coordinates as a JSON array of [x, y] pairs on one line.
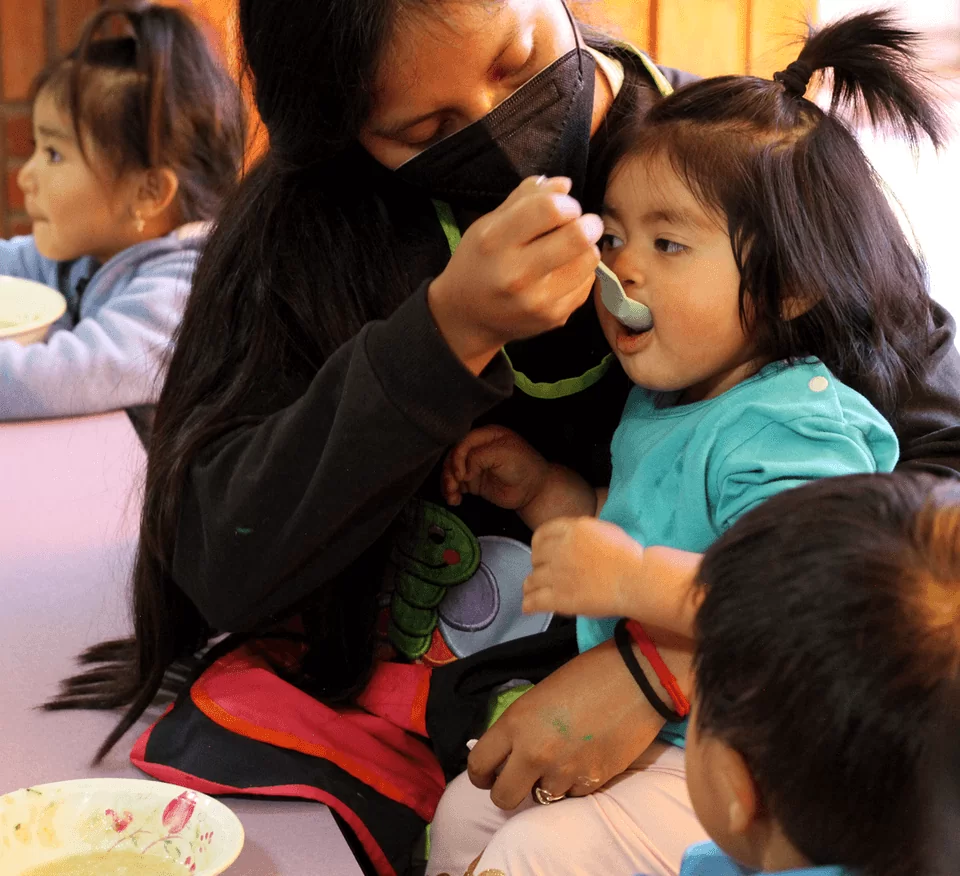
[[592, 567], [111, 360], [497, 464]]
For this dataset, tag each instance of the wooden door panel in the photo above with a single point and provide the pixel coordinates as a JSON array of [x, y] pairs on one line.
[[707, 37]]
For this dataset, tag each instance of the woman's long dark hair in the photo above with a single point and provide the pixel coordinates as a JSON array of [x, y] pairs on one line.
[[303, 256], [155, 97], [808, 219], [286, 278]]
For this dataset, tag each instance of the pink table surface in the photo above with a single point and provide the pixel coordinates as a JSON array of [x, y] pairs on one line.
[[68, 520]]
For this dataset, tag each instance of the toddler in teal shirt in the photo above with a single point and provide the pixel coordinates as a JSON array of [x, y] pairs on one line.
[[784, 321], [784, 310]]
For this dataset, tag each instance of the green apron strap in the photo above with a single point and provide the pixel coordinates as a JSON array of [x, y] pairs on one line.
[[656, 74], [562, 388], [448, 222]]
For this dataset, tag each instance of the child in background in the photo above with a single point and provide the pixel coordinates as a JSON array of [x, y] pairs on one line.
[[828, 646], [788, 311], [138, 138]]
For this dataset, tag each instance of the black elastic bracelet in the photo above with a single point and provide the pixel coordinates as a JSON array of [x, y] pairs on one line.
[[625, 646]]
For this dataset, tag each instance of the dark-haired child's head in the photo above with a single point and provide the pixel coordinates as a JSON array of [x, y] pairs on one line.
[[827, 643], [135, 134], [815, 262]]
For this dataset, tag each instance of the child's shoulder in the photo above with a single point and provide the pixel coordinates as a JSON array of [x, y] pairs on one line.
[[163, 255], [708, 859], [788, 408], [803, 392], [159, 269], [186, 239]]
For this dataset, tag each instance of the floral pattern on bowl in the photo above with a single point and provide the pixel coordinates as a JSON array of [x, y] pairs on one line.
[[47, 822]]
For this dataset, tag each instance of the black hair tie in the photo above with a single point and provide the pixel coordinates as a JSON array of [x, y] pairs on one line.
[[795, 78], [625, 646]]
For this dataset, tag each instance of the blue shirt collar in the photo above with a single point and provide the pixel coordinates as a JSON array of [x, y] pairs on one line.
[[707, 859]]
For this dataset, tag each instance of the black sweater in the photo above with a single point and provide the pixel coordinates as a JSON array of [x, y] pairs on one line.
[[290, 509]]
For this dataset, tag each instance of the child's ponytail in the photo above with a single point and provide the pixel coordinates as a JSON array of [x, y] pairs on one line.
[[146, 87], [874, 69]]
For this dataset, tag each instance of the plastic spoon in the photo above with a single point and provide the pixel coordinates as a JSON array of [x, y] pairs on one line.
[[632, 314]]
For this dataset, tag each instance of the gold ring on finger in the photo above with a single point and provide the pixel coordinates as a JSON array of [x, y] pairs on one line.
[[545, 798]]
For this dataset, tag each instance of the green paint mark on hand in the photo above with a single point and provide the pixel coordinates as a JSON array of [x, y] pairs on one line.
[[588, 737], [243, 530], [561, 726]]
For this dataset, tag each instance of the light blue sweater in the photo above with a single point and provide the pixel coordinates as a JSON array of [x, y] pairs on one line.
[[110, 348]]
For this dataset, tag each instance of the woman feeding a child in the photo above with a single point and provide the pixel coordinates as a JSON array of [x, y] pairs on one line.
[[393, 274]]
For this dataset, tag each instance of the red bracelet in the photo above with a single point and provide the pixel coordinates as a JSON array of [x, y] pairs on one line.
[[681, 705]]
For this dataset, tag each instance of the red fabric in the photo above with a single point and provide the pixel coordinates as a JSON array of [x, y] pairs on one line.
[[243, 694], [307, 792], [398, 692]]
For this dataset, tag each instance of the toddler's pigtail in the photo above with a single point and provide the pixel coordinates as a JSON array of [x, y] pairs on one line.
[[873, 61]]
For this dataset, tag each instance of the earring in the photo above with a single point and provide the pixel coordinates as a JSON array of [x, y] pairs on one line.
[[139, 222]]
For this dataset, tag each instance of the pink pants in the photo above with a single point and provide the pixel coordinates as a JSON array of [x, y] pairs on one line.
[[640, 822]]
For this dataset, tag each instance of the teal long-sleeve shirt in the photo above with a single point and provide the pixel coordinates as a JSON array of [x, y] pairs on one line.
[[683, 474]]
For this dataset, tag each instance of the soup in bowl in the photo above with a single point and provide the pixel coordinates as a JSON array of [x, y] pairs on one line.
[[28, 309], [116, 827]]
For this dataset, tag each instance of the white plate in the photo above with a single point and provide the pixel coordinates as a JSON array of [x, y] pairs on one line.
[[46, 823]]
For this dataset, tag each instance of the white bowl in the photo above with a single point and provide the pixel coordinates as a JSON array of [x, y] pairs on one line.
[[28, 309], [189, 832]]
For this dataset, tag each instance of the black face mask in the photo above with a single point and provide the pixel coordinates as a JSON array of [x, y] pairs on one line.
[[542, 128]]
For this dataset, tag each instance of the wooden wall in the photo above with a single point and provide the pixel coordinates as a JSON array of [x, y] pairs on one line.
[[708, 37], [31, 32]]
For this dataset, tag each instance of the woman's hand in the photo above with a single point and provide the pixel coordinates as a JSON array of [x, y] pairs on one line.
[[583, 566], [496, 464], [573, 732], [519, 271]]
